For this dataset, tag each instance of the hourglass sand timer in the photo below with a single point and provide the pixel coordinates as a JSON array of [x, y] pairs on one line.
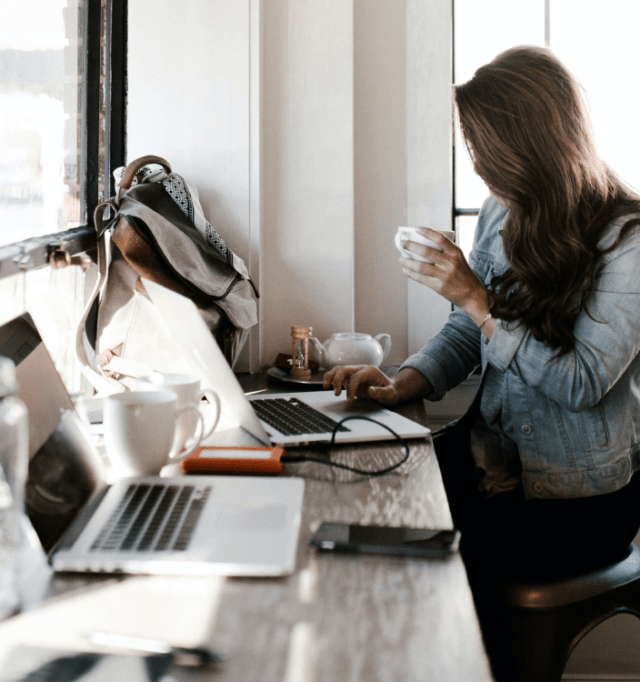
[[300, 356]]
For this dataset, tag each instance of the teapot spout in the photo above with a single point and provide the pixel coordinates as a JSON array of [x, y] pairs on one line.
[[318, 350]]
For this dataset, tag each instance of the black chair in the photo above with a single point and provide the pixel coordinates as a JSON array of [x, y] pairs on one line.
[[539, 624], [531, 628]]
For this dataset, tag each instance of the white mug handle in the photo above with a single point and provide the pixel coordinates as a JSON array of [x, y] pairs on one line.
[[400, 235], [385, 341], [213, 398], [177, 454]]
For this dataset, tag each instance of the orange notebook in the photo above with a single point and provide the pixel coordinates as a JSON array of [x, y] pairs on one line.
[[234, 460]]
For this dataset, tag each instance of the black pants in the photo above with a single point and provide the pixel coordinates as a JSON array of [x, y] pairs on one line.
[[510, 536]]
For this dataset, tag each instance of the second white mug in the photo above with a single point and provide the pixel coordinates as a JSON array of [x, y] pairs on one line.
[[187, 389]]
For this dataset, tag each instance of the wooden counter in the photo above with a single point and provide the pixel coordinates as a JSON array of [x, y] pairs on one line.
[[339, 618]]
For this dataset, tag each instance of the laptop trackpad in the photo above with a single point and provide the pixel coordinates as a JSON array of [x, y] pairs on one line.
[[267, 518], [341, 409]]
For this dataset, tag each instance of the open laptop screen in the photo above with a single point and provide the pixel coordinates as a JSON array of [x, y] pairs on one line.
[[64, 465]]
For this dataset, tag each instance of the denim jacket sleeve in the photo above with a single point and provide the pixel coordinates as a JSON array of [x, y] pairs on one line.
[[607, 336]]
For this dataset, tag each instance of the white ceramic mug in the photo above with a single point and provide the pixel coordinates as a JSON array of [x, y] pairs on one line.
[[141, 433], [411, 234], [187, 389]]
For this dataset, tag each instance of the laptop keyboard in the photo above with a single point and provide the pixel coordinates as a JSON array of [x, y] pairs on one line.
[[153, 518], [292, 417]]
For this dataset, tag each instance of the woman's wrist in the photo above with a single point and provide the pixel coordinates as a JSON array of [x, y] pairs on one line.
[[486, 318], [410, 383], [477, 307], [478, 310]]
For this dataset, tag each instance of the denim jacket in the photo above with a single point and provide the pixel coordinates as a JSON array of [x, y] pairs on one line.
[[575, 420]]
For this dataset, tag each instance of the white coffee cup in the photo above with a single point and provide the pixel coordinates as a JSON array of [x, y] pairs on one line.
[[141, 433], [411, 234], [187, 389]]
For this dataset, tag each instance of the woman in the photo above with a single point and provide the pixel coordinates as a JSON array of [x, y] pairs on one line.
[[549, 307]]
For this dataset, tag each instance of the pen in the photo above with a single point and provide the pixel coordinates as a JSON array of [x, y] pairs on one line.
[[186, 656]]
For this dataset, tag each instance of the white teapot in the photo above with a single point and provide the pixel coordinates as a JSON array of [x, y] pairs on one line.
[[348, 348]]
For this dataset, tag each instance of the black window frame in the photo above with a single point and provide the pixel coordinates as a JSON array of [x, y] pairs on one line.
[[36, 252]]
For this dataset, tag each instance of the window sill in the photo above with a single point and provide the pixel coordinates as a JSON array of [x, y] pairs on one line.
[[36, 252]]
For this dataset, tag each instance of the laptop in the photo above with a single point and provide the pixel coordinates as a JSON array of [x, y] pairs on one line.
[[259, 420], [186, 525]]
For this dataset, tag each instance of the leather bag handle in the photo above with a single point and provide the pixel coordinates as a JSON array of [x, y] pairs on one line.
[[132, 168]]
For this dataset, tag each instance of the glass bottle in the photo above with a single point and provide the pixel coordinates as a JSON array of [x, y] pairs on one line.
[[14, 436]]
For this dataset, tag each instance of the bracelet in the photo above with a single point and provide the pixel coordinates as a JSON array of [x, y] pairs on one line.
[[486, 319]]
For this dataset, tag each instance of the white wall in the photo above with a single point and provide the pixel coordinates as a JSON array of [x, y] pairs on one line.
[[306, 125], [189, 101], [429, 144], [349, 154], [307, 170], [380, 168]]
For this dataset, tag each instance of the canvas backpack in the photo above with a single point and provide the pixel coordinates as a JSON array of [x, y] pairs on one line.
[[158, 231]]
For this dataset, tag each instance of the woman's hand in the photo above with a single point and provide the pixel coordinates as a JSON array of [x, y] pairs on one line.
[[368, 381], [362, 381], [450, 275]]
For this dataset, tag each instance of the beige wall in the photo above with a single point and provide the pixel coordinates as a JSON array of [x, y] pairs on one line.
[[307, 170], [349, 154], [189, 101], [380, 168], [305, 125], [429, 145]]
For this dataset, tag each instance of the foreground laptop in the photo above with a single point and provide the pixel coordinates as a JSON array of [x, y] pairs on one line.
[[240, 425], [187, 525]]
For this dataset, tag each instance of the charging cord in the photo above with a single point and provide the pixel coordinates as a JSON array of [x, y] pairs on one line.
[[291, 459]]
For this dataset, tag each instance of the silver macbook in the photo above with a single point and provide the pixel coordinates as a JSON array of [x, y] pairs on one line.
[[187, 525], [261, 419]]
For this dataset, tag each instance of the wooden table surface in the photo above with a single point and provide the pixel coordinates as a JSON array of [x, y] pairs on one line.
[[338, 618]]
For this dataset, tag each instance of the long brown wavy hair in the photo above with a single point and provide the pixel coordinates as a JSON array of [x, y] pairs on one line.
[[528, 132]]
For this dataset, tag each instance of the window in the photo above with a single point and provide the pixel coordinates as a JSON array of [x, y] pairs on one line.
[[62, 82], [62, 86], [597, 43]]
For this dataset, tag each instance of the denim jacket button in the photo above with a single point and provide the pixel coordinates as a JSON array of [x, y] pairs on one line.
[[526, 429], [537, 487]]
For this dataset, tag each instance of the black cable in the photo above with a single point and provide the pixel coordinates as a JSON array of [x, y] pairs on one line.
[[291, 459]]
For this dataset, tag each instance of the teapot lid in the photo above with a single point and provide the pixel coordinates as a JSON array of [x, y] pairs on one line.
[[355, 336]]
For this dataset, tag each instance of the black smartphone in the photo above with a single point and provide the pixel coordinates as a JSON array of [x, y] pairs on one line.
[[425, 542]]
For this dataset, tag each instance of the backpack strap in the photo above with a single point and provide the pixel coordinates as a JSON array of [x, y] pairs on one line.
[[84, 352]]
